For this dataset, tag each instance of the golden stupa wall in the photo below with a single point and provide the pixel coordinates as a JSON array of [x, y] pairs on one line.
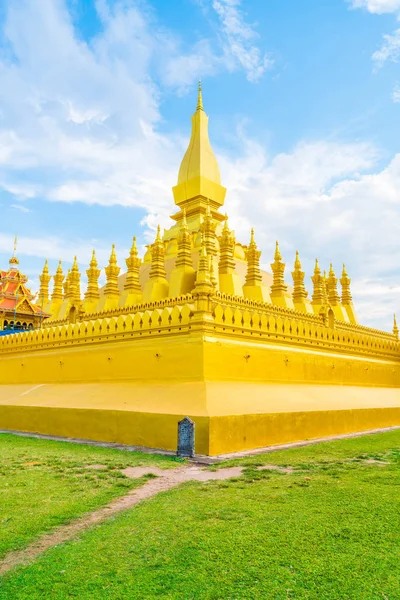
[[248, 375]]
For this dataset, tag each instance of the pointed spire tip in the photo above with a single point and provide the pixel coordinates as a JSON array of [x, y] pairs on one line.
[[199, 96], [278, 255]]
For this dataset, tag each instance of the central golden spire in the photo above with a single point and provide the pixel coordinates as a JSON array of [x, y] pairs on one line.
[[199, 176], [199, 159]]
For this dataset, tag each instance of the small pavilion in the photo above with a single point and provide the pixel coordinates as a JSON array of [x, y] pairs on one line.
[[18, 311]]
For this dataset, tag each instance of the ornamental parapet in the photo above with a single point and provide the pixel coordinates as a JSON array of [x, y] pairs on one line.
[[297, 329], [340, 325], [263, 324], [227, 300], [158, 321], [126, 310]]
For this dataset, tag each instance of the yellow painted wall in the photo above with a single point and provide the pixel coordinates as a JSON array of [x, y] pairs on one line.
[[245, 360], [147, 359], [125, 427], [214, 435], [245, 432], [244, 389]]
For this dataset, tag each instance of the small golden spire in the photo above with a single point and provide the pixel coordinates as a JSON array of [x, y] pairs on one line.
[[44, 285], [278, 255], [227, 248], [93, 263], [113, 256], [133, 262], [203, 278], [297, 263], [299, 291], [278, 287], [92, 291], [331, 286], [395, 328], [199, 96], [253, 275], [347, 300], [74, 289], [345, 283], [75, 265], [318, 295], [203, 287], [184, 253], [111, 289], [157, 269], [58, 278], [14, 260], [207, 229]]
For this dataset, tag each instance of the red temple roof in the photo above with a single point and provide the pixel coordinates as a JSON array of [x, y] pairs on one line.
[[15, 295]]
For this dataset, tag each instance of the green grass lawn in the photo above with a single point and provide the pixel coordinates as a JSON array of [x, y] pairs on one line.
[[329, 531], [45, 483], [366, 446]]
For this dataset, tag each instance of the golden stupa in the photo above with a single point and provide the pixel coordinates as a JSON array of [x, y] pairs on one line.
[[197, 329]]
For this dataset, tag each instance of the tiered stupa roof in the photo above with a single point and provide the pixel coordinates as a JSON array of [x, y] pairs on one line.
[[199, 195], [169, 266]]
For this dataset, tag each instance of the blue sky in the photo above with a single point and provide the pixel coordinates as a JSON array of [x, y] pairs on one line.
[[304, 107]]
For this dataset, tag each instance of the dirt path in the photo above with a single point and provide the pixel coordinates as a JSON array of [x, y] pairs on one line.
[[166, 479]]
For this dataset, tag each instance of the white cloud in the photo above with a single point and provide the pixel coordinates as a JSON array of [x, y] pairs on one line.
[[390, 49], [22, 191], [377, 6], [19, 207], [396, 93], [81, 119], [88, 114], [181, 69], [235, 48], [239, 40], [320, 200]]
